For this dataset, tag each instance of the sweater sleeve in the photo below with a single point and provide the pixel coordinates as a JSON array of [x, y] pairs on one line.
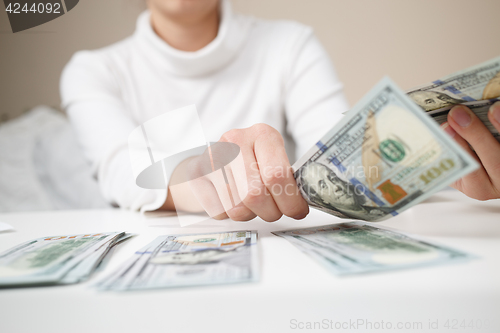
[[314, 100], [91, 97]]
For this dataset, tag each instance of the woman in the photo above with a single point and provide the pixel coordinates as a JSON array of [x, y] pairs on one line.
[[239, 71], [262, 85]]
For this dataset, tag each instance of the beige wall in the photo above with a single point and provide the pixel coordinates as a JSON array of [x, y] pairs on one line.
[[413, 41], [32, 61]]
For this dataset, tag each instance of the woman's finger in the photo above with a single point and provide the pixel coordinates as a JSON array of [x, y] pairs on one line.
[[477, 183], [252, 190], [201, 185], [238, 212], [248, 182], [487, 148], [277, 175]]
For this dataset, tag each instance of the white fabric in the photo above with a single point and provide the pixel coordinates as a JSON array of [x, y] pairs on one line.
[[42, 166], [255, 71]]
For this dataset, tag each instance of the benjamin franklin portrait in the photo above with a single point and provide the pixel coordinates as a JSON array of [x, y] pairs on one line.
[[326, 190], [431, 100]]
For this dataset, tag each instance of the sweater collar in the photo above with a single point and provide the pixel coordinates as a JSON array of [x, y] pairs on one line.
[[232, 33]]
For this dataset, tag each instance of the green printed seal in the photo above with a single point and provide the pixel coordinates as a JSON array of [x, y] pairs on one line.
[[392, 150], [204, 240]]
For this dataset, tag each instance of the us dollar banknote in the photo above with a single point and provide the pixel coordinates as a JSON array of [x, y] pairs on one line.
[[188, 260], [481, 82], [385, 156], [56, 260], [357, 247]]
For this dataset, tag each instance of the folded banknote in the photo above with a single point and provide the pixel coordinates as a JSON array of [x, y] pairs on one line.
[[358, 247], [56, 260], [188, 260], [481, 82]]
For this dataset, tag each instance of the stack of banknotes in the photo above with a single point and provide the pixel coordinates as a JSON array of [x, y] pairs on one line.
[[359, 247], [232, 257], [383, 157], [477, 87], [188, 260], [57, 259], [213, 258]]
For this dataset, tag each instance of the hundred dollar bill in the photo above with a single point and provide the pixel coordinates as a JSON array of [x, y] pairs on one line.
[[188, 260], [385, 156], [480, 109], [481, 82], [95, 260], [358, 247], [51, 260]]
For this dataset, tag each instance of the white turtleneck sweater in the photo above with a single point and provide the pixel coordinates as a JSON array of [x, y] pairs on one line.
[[254, 71]]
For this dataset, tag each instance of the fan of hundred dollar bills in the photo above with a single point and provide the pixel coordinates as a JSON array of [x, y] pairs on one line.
[[477, 87], [56, 260], [388, 154]]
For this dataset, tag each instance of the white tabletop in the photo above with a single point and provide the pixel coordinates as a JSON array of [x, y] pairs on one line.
[[293, 292]]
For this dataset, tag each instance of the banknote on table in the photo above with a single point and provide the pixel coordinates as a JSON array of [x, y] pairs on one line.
[[188, 260], [94, 261], [56, 260], [481, 82], [358, 247], [480, 109], [384, 156]]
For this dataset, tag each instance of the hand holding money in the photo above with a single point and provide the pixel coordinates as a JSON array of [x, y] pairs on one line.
[[468, 131], [385, 156], [475, 123]]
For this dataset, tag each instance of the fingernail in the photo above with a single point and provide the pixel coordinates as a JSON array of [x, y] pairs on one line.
[[495, 111], [448, 129], [461, 116], [300, 216]]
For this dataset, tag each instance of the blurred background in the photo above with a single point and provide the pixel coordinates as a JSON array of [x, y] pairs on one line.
[[413, 41], [41, 167]]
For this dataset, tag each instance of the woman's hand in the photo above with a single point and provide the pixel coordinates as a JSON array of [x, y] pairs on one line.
[[466, 128], [259, 182]]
